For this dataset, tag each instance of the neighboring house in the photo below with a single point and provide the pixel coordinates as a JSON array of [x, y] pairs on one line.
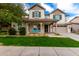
[[39, 22], [73, 25]]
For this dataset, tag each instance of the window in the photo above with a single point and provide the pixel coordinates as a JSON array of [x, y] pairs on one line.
[[36, 14], [34, 30], [57, 17]]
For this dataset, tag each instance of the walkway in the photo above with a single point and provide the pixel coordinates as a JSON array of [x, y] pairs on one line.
[[38, 51]]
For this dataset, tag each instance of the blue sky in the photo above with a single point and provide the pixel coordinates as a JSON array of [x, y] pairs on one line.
[[71, 9]]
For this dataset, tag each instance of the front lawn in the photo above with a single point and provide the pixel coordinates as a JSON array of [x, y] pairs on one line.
[[39, 41]]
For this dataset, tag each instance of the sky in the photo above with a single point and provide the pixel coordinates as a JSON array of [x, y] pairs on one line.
[[71, 9]]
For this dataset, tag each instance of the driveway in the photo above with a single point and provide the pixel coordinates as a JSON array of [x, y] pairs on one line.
[[71, 35], [38, 51]]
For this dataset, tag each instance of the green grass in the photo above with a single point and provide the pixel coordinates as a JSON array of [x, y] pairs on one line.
[[39, 41]]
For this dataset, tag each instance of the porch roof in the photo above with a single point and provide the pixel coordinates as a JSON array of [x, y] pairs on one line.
[[40, 20]]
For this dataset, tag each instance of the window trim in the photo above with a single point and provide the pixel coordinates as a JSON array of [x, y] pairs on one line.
[[58, 15]]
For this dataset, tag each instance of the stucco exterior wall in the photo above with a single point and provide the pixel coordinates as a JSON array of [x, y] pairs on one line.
[[42, 14], [62, 20], [75, 27], [69, 28], [60, 29], [47, 16]]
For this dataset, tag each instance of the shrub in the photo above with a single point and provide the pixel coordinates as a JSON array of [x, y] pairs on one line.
[[12, 31], [3, 33], [22, 30]]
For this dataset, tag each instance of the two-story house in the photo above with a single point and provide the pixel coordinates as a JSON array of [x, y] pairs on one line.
[[39, 22]]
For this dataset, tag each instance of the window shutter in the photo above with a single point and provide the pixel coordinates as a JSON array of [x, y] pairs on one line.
[[39, 14], [33, 14], [54, 17], [60, 17]]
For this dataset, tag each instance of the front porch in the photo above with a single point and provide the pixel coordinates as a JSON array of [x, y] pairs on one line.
[[39, 28]]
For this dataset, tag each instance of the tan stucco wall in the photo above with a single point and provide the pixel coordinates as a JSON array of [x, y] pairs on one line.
[[57, 12], [42, 14], [47, 17], [63, 15], [60, 29], [75, 27], [63, 20]]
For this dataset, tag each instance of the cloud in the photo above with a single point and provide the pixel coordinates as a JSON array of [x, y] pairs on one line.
[[69, 8], [51, 1], [41, 1], [48, 8], [26, 8]]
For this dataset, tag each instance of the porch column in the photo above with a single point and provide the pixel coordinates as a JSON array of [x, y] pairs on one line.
[[51, 28], [27, 29], [41, 28], [69, 28], [55, 28], [48, 28]]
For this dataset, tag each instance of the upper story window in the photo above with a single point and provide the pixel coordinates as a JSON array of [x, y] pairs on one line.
[[36, 14], [57, 17]]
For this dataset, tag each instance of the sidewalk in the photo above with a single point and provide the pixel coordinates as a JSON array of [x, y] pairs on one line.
[[38, 51]]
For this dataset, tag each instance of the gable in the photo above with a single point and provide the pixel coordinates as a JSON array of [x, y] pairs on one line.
[[57, 11], [36, 7]]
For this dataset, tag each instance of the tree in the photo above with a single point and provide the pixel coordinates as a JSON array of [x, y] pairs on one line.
[[11, 13]]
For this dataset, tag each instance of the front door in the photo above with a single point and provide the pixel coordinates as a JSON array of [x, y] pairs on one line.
[[46, 28]]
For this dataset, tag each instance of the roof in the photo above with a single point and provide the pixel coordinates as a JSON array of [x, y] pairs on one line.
[[37, 5], [75, 20], [58, 10]]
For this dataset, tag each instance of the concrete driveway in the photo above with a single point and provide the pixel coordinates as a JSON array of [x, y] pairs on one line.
[[70, 35], [38, 51]]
